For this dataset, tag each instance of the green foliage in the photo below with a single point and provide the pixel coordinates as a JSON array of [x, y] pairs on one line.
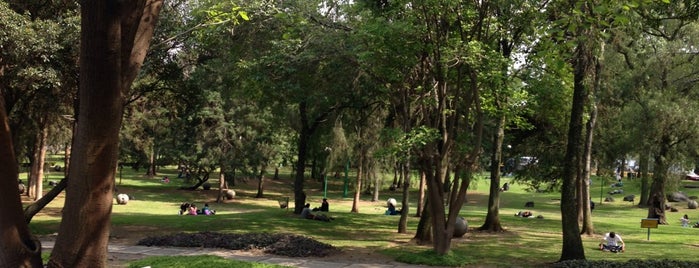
[[196, 261]]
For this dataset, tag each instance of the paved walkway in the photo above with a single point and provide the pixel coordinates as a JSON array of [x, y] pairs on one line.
[[240, 255]]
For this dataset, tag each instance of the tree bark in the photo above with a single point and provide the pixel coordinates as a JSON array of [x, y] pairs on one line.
[[492, 219], [260, 183], [37, 176], [656, 200], [115, 36], [643, 162], [221, 184], [421, 195], [405, 204], [151, 163], [572, 248], [18, 248], [304, 136], [587, 226], [423, 234], [358, 185]]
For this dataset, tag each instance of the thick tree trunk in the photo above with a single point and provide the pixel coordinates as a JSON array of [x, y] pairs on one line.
[[18, 248], [441, 241], [643, 163], [656, 200], [377, 184], [66, 158], [151, 163], [84, 230], [492, 219], [115, 36], [221, 184], [304, 136], [421, 195], [405, 204], [586, 210], [572, 247], [260, 183], [423, 234], [37, 174]]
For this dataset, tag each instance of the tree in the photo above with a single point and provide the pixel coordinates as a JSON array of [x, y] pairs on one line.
[[114, 39], [504, 97], [20, 248]]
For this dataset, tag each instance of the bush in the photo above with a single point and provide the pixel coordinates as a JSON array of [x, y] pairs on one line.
[[278, 244]]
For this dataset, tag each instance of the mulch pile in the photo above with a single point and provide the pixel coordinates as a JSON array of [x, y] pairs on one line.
[[279, 244]]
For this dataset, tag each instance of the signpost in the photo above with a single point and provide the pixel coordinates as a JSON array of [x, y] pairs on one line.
[[649, 223]]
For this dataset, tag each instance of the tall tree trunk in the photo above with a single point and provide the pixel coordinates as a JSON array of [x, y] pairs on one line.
[[304, 137], [441, 241], [492, 219], [260, 183], [395, 174], [221, 184], [572, 248], [84, 230], [358, 185], [656, 200], [66, 157], [421, 195], [643, 163], [423, 234], [115, 36], [151, 163], [587, 226], [405, 203], [41, 161], [18, 248], [377, 184]]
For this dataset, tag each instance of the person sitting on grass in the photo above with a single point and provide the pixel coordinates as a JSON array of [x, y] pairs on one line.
[[306, 214], [392, 209], [685, 221], [325, 206], [192, 209], [612, 242], [206, 210]]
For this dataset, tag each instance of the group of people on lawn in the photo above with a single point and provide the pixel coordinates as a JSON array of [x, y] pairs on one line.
[[191, 209], [324, 207]]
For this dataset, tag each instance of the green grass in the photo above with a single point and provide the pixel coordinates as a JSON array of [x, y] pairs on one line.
[[196, 261], [527, 242]]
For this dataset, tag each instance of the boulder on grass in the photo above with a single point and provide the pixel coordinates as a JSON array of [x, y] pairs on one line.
[[609, 199], [229, 194], [692, 204], [460, 227], [629, 198], [677, 197]]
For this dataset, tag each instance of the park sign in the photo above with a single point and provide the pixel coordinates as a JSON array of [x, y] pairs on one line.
[[649, 223]]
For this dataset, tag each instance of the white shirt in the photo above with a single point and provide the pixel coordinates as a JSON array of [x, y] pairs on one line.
[[615, 241]]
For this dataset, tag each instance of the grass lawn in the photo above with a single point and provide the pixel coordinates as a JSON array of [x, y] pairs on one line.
[[527, 242]]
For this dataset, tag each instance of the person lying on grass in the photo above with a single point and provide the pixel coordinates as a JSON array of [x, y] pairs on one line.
[[612, 242]]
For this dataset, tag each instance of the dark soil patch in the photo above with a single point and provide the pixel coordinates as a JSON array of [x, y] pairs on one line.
[[279, 244]]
